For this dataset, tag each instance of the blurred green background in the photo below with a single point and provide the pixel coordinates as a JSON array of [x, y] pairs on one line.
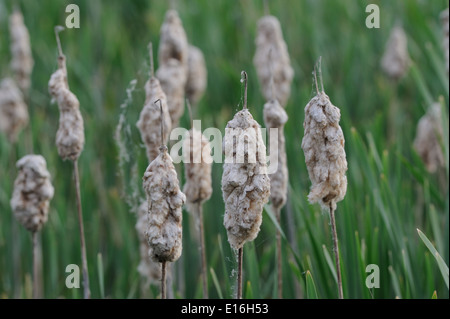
[[390, 193]]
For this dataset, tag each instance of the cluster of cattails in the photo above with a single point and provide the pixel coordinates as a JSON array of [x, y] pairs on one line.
[[445, 28], [396, 61]]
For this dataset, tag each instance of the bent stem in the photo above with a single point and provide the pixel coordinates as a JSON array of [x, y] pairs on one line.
[[336, 251], [163, 280], [239, 276], [87, 292], [203, 252]]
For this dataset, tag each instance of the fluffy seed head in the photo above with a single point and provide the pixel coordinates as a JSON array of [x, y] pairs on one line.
[[197, 163], [173, 41], [272, 57], [323, 145], [445, 28], [165, 201], [172, 78], [197, 76], [149, 122], [395, 61], [245, 183], [22, 60], [275, 117], [70, 134], [426, 143], [32, 192], [13, 110]]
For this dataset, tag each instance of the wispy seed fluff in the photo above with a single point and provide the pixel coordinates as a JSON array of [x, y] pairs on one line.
[[395, 61], [165, 201], [22, 60], [323, 145], [270, 46], [197, 163], [147, 267], [173, 40], [70, 134], [197, 76], [149, 122], [172, 78], [13, 110], [275, 117], [429, 132], [445, 28], [245, 183], [32, 193]]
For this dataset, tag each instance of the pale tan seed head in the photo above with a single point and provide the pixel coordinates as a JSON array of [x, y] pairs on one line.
[[197, 76], [32, 193], [275, 117], [173, 40], [22, 60], [445, 28], [13, 110], [396, 61], [197, 162], [429, 133], [270, 46], [323, 145], [165, 201], [245, 183]]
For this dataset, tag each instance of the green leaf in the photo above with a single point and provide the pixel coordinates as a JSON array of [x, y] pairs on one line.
[[216, 282], [329, 262], [311, 291], [248, 291], [434, 296], [101, 279]]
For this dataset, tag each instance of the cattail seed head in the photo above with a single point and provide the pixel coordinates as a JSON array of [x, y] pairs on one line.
[[32, 192], [172, 78], [245, 183], [13, 110], [150, 118], [147, 267], [165, 201], [197, 163], [197, 76], [70, 134], [323, 145], [173, 40], [22, 60], [445, 28], [426, 143], [275, 117], [270, 46], [395, 61]]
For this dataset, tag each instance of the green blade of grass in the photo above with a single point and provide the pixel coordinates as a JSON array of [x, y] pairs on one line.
[[101, 280], [216, 282], [311, 291], [330, 262]]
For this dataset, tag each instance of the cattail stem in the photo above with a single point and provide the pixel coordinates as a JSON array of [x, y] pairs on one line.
[[203, 252], [87, 292], [163, 280], [279, 265], [239, 275], [34, 236], [336, 251], [152, 67], [318, 74], [244, 80]]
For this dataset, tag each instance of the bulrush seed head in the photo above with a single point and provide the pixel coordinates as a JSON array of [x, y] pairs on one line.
[[197, 77], [245, 183], [275, 117], [32, 192], [13, 110], [197, 163], [270, 46], [165, 201], [396, 61], [323, 145], [173, 41], [22, 60], [429, 133]]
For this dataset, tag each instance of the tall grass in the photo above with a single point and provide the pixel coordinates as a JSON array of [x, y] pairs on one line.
[[390, 194]]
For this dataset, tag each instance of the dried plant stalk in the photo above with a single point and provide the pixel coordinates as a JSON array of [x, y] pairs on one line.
[[173, 40], [13, 111], [172, 77], [22, 60], [445, 28], [197, 76], [395, 61], [270, 46], [429, 133]]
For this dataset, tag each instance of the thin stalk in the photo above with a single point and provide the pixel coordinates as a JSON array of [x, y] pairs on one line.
[[15, 232], [336, 251], [163, 280], [87, 292], [34, 236], [244, 79], [279, 265], [239, 276], [203, 252]]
